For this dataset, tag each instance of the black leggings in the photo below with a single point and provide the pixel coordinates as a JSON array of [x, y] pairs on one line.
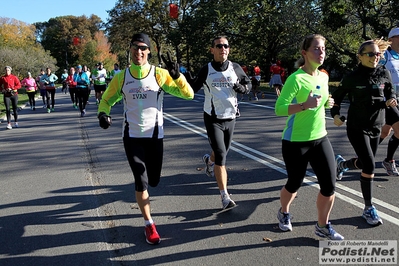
[[31, 96], [145, 159], [220, 134], [365, 147], [11, 100], [50, 94], [319, 154], [74, 96], [82, 96]]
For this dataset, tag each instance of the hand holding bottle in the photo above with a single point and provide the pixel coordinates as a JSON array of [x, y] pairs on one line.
[[313, 101]]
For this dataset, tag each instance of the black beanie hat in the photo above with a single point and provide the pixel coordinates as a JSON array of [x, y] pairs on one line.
[[141, 37]]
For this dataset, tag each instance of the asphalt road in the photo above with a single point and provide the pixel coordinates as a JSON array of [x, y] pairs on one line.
[[67, 193]]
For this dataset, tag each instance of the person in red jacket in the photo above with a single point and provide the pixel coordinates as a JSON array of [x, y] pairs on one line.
[[256, 81], [72, 87], [275, 82], [9, 85]]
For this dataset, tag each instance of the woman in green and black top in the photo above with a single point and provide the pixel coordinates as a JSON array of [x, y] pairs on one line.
[[303, 98]]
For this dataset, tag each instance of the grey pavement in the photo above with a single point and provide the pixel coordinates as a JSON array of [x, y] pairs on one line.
[[67, 193]]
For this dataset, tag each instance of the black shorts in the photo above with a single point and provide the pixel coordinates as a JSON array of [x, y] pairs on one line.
[[145, 159], [100, 88], [220, 135], [391, 115]]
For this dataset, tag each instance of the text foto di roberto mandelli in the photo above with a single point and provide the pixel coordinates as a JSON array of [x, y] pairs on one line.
[[350, 251]]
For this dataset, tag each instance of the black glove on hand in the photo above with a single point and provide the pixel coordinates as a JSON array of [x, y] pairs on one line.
[[105, 120], [172, 67], [239, 88]]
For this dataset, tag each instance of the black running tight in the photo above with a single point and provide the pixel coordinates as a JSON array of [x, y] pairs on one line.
[[8, 101], [50, 94], [31, 96]]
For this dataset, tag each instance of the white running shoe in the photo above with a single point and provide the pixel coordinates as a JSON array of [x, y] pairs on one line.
[[208, 167], [327, 232], [371, 216], [228, 203], [284, 221]]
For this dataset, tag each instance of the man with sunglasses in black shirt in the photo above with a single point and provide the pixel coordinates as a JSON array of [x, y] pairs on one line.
[[221, 80]]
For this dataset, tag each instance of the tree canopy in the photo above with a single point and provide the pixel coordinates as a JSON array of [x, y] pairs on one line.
[[262, 30], [19, 49], [75, 40], [58, 43]]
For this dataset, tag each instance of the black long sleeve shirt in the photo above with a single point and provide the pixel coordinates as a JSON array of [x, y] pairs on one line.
[[367, 90]]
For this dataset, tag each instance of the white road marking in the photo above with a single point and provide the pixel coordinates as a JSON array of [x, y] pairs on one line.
[[244, 150]]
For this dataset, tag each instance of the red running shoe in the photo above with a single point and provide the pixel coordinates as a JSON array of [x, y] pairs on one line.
[[151, 235]]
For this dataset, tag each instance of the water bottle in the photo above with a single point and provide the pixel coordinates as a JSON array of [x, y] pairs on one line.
[[316, 93]]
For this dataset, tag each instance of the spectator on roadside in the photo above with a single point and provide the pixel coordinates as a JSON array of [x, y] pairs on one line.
[[9, 85], [304, 138], [48, 80], [144, 86], [370, 91], [31, 87], [221, 80]]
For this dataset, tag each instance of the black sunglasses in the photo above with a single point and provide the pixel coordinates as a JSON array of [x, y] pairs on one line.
[[141, 47], [371, 54], [222, 45]]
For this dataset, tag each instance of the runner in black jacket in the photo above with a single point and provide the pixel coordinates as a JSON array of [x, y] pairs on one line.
[[370, 91]]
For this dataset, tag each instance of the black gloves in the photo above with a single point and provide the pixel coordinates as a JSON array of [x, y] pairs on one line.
[[237, 87], [173, 67], [105, 120]]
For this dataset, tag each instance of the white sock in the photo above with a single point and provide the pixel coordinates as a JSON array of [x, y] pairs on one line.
[[148, 222], [224, 194]]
